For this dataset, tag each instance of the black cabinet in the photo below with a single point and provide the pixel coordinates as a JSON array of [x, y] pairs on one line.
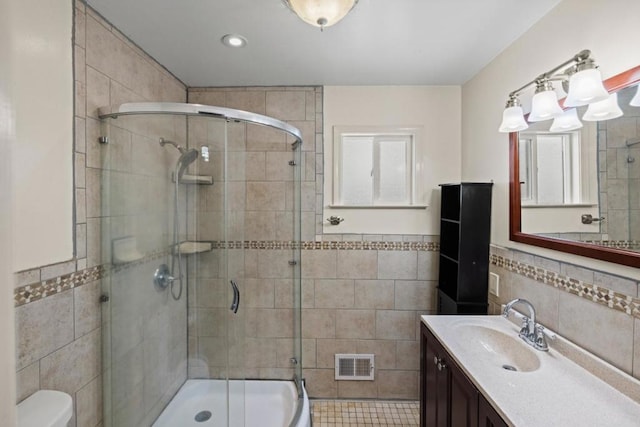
[[465, 231], [447, 397]]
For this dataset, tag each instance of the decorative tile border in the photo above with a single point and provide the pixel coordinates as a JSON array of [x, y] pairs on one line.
[[39, 290], [598, 294], [618, 244]]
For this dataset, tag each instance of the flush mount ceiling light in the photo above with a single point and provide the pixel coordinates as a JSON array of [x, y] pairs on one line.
[[233, 40], [321, 13], [584, 88]]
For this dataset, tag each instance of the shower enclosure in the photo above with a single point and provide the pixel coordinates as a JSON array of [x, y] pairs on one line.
[[200, 225]]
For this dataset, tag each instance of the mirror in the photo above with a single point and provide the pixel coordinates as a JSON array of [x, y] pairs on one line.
[[579, 191]]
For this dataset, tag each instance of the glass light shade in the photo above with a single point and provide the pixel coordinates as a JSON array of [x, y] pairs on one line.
[[321, 13], [513, 120], [635, 102], [603, 110], [585, 87], [544, 106], [566, 122]]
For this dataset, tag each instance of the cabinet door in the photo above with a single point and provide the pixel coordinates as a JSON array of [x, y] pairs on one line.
[[487, 416], [434, 411], [464, 399]]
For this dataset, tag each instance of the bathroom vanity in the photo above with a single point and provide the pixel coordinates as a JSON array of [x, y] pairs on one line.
[[476, 371]]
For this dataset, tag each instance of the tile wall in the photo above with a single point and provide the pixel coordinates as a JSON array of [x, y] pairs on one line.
[[598, 311], [360, 293], [58, 316]]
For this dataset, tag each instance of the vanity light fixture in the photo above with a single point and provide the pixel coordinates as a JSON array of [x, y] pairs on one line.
[[566, 122], [513, 117], [321, 13], [584, 88], [544, 105], [603, 110], [635, 101], [233, 40]]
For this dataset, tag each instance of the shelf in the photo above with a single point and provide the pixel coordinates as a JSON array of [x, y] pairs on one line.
[[189, 247], [194, 179]]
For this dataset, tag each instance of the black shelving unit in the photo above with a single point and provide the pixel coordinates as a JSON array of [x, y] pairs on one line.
[[465, 231]]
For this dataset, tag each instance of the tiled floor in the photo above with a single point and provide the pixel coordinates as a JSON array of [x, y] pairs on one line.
[[329, 413]]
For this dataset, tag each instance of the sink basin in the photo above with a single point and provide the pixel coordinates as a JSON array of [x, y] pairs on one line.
[[500, 349]]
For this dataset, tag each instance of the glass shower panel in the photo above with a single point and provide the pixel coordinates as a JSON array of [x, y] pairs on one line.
[[144, 327]]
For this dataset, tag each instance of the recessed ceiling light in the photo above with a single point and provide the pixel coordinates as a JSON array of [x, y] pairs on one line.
[[233, 40]]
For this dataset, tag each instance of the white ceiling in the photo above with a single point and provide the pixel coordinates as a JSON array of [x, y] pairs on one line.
[[381, 42]]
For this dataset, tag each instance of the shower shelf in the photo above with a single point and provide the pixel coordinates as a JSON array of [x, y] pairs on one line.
[[189, 247], [194, 179]]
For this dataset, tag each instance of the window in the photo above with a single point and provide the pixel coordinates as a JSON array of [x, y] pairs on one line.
[[550, 172], [374, 167]]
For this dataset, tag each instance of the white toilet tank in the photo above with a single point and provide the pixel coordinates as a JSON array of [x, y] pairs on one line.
[[45, 408]]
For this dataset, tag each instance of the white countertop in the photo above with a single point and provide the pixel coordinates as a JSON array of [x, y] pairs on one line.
[[558, 393]]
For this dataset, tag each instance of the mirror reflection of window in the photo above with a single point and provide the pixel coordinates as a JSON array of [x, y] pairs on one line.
[[550, 168]]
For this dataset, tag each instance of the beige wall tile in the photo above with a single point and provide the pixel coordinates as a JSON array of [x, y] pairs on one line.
[[73, 366], [59, 269], [248, 100], [266, 196], [274, 264], [408, 355], [616, 283], [355, 324], [398, 265], [86, 306], [319, 264], [384, 351], [326, 349], [286, 105], [43, 327], [98, 91], [320, 383], [89, 404], [398, 385], [334, 293], [27, 277], [277, 166], [428, 265], [636, 348], [79, 27], [357, 389], [256, 166], [260, 293], [309, 353], [544, 298], [357, 264], [374, 294], [27, 381], [610, 337], [415, 295], [397, 325], [318, 323]]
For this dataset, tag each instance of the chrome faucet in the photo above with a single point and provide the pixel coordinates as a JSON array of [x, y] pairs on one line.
[[531, 332]]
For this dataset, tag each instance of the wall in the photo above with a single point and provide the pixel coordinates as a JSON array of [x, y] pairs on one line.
[[58, 317], [7, 139], [43, 75], [435, 109], [591, 302], [360, 293]]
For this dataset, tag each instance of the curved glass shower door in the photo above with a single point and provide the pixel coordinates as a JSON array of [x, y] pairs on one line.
[[202, 276]]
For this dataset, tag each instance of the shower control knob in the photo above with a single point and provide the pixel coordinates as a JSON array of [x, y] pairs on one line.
[[162, 277]]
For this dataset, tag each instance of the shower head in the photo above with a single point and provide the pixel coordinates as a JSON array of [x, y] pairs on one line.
[[181, 149], [187, 157]]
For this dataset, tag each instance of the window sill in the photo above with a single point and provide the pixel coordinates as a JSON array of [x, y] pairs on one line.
[[379, 207], [575, 205]]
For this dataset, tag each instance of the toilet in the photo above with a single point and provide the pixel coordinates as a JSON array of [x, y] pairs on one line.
[[45, 408]]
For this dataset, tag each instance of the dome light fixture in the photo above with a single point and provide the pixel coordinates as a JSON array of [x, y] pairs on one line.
[[321, 13]]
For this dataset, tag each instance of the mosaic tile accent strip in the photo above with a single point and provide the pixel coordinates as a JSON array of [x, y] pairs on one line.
[[618, 244], [37, 291], [598, 294], [365, 413]]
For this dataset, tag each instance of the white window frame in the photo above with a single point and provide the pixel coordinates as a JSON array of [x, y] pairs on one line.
[[414, 169]]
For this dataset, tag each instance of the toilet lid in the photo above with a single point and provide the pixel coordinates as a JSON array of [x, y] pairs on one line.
[[45, 408]]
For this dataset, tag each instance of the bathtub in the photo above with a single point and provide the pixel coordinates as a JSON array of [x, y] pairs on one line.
[[203, 403]]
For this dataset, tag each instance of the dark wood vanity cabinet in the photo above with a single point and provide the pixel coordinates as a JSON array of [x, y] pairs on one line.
[[465, 231], [447, 396]]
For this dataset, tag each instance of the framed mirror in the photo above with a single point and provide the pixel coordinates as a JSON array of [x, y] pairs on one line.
[[579, 191]]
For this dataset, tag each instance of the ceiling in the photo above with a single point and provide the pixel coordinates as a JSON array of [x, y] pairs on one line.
[[381, 42]]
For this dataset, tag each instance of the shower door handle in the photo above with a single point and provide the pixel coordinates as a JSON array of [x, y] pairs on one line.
[[236, 297]]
